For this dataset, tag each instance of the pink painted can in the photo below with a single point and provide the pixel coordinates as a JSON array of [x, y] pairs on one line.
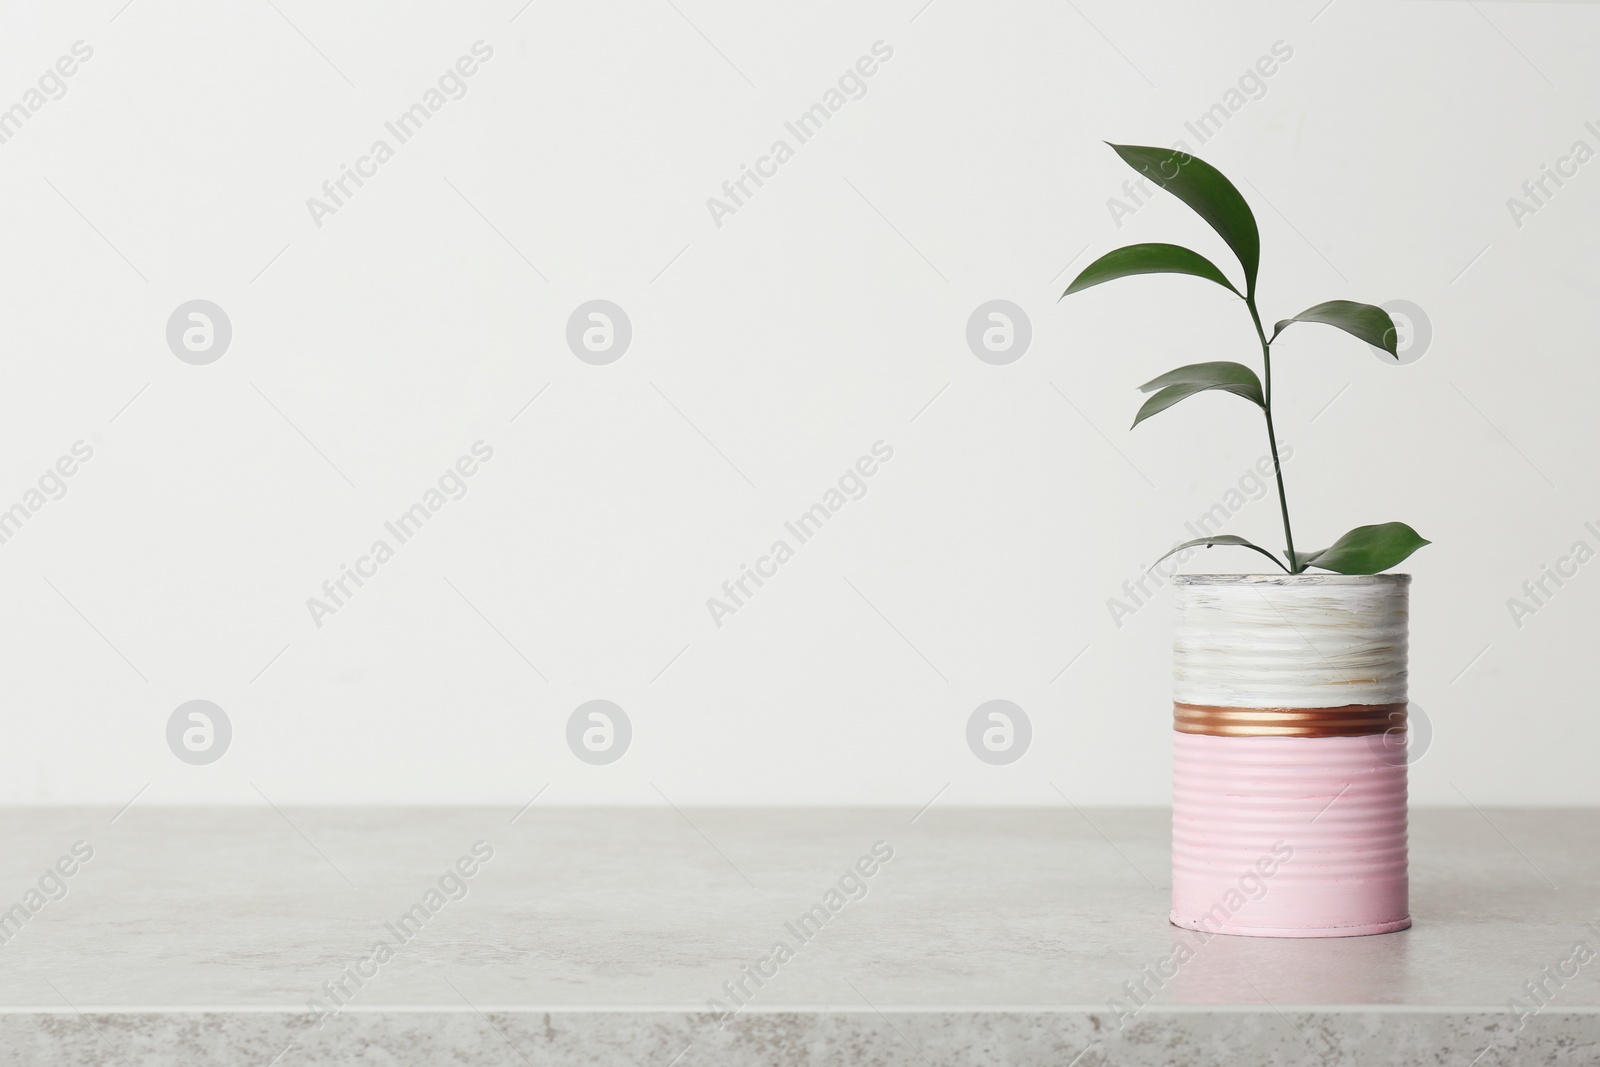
[[1289, 771]]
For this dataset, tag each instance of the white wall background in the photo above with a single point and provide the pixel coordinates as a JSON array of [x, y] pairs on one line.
[[767, 355]]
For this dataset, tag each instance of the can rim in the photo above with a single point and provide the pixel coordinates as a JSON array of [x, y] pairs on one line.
[[1291, 579]]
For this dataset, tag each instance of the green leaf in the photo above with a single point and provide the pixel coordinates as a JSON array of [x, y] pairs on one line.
[[1234, 377], [1198, 378], [1148, 259], [1211, 196], [1221, 539], [1371, 324], [1367, 549]]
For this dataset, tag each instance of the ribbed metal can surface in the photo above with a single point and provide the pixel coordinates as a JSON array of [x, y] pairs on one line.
[[1289, 793]]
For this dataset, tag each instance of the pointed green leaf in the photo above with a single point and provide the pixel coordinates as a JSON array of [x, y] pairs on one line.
[[1234, 377], [1211, 196], [1371, 324], [1148, 259], [1221, 539], [1367, 549], [1166, 396]]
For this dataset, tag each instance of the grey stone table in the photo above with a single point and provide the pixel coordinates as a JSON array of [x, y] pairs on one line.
[[552, 936]]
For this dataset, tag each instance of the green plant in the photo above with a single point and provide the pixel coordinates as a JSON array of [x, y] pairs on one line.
[[1365, 549]]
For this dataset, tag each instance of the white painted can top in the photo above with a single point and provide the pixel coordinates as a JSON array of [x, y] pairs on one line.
[[1290, 641]]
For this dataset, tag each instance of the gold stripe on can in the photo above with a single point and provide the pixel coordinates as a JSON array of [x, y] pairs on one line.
[[1351, 720]]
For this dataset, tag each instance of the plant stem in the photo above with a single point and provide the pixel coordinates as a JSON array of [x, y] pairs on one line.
[[1295, 566]]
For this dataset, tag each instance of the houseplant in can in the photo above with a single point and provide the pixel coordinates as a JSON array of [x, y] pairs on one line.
[[1289, 687]]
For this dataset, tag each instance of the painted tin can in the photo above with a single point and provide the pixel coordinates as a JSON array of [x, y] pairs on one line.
[[1289, 790]]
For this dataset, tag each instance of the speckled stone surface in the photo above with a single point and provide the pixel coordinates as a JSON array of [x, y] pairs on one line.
[[598, 936]]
